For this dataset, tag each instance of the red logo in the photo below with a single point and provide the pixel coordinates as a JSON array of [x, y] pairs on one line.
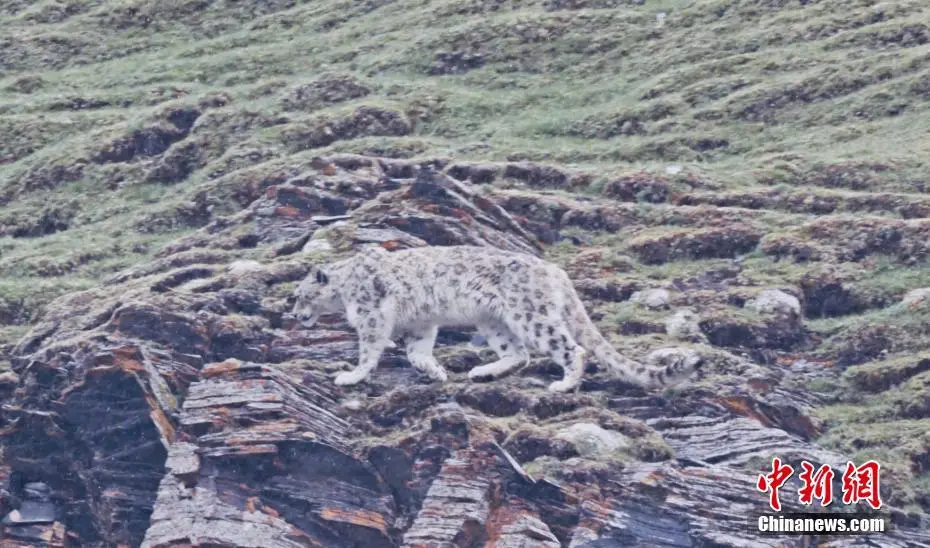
[[859, 483], [773, 481], [862, 484], [816, 485]]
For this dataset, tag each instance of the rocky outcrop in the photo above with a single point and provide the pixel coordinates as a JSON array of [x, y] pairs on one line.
[[180, 404]]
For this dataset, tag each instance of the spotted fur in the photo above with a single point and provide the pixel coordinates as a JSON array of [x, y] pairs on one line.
[[519, 303]]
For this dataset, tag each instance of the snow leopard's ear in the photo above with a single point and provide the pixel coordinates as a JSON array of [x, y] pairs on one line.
[[321, 277]]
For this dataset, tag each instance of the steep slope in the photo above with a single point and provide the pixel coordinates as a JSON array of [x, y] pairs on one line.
[[713, 149], [181, 403]]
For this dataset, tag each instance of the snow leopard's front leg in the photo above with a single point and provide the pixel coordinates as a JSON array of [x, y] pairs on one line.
[[374, 335], [420, 353]]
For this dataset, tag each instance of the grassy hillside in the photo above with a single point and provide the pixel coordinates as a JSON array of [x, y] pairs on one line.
[[126, 123]]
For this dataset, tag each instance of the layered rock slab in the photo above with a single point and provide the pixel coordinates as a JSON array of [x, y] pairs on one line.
[[178, 404]]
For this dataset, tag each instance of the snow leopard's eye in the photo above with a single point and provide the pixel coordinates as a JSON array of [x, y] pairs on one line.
[[321, 277]]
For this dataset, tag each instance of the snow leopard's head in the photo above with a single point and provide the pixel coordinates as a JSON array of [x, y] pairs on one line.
[[315, 296]]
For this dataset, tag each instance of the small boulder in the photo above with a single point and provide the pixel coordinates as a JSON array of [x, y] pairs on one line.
[[317, 246], [621, 262], [652, 298], [776, 302], [684, 326], [238, 268], [916, 299], [592, 441]]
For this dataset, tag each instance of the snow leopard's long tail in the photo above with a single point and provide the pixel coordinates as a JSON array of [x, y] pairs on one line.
[[629, 370]]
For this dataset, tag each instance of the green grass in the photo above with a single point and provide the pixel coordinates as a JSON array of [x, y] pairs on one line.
[[741, 94]]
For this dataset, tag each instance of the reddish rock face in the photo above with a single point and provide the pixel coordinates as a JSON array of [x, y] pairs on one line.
[[179, 404]]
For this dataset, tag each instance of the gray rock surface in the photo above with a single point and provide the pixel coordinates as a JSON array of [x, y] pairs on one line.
[[652, 298], [775, 301], [180, 404]]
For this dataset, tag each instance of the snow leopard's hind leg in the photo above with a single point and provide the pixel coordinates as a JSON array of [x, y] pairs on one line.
[[511, 352], [550, 334], [420, 353], [557, 341]]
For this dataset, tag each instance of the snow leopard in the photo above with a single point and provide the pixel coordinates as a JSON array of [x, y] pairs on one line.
[[517, 302]]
